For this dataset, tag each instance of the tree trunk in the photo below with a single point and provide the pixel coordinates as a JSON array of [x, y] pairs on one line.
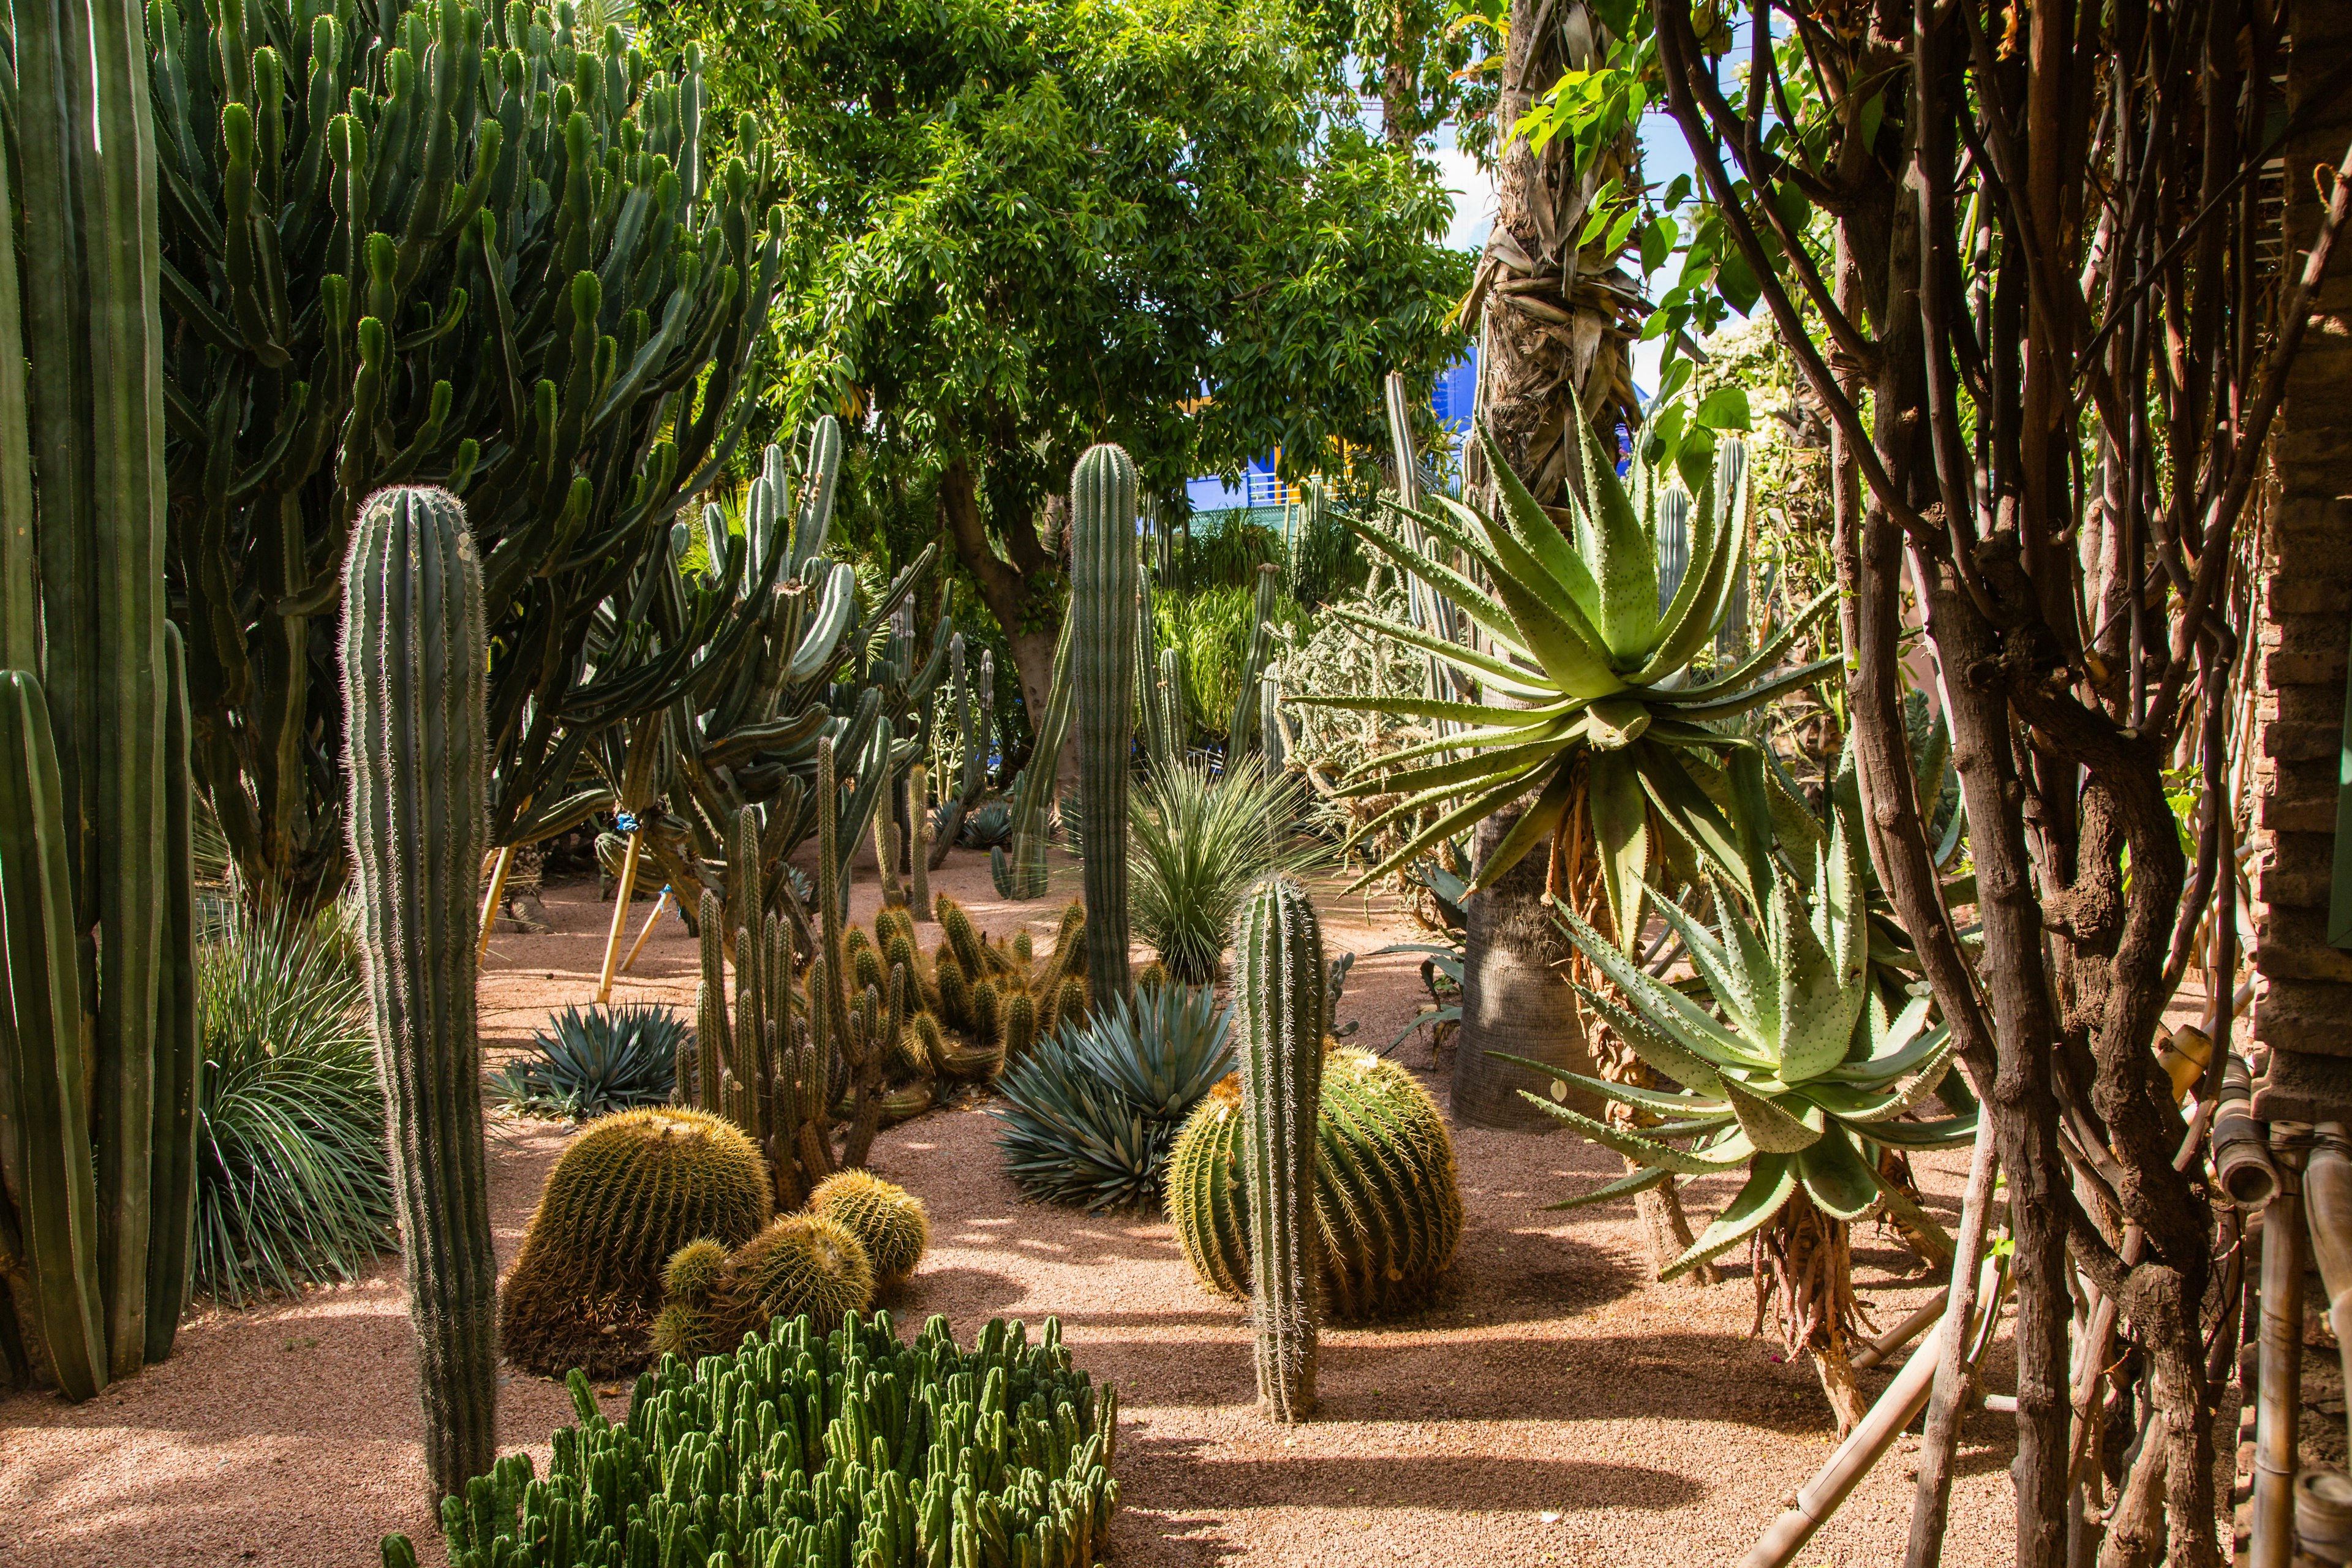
[[1535, 377], [1514, 999], [1030, 629]]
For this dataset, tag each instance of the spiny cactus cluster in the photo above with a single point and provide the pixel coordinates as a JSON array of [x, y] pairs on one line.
[[803, 1450], [859, 1237], [1386, 1200], [997, 995], [631, 1192]]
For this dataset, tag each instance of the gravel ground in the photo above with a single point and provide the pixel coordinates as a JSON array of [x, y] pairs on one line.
[[1553, 1406]]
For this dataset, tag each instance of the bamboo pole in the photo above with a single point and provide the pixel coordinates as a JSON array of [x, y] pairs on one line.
[[1901, 1334], [2278, 1385], [621, 898], [660, 903], [490, 902], [1865, 1446], [1931, 1499], [2328, 1205]]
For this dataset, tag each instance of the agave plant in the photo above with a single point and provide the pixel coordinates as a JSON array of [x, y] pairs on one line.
[[595, 1060], [1091, 1114], [1589, 656], [1804, 1082], [986, 826]]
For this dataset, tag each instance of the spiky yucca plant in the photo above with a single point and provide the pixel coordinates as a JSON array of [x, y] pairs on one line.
[[1588, 658], [1803, 1081], [1195, 844]]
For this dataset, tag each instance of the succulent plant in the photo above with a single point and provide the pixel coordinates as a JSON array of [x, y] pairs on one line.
[[1104, 571], [1279, 993], [986, 826], [632, 1190], [1020, 874], [1595, 660], [1386, 1199], [414, 687], [96, 825], [595, 1060], [888, 1220], [1090, 1112], [1802, 1082], [776, 1453], [447, 244], [801, 1266]]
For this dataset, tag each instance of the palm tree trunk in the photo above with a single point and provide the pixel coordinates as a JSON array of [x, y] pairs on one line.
[[1535, 374]]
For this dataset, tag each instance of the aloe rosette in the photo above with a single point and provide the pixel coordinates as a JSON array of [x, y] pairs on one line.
[[1803, 1079], [1587, 653]]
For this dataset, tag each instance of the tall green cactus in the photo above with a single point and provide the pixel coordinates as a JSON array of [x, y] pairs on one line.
[[431, 242], [1103, 590], [1021, 874], [1242, 729], [97, 1074], [413, 689], [1278, 986]]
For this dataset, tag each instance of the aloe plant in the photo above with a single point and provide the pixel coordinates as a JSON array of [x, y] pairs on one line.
[[1587, 657], [1799, 1076]]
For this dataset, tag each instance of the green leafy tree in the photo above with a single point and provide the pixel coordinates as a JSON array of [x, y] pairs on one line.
[[1030, 225]]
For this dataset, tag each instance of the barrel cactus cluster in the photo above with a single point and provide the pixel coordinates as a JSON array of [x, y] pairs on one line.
[[857, 1240], [997, 995], [808, 1450], [632, 1191], [1387, 1201]]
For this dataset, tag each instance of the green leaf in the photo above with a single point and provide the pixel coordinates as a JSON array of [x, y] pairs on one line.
[[1536, 825], [1754, 664], [1506, 678], [1685, 807], [1620, 835], [1665, 1008], [1838, 1178], [1725, 408], [1817, 1013], [1724, 980], [1623, 1187], [1536, 532], [1768, 1126], [1950, 1132], [1699, 615], [1770, 1180], [1658, 1051], [1673, 1104], [1640, 1150], [1614, 723], [1445, 827]]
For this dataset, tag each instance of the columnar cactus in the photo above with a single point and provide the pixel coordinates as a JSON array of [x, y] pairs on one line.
[[417, 760], [1278, 986], [1242, 729], [919, 818], [1103, 589]]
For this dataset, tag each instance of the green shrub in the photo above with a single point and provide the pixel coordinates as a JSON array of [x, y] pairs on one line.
[[1090, 1114], [854, 1447], [292, 1187], [1211, 631], [1195, 843], [597, 1060]]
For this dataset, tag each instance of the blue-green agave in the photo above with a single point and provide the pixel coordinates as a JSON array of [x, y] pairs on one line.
[[1588, 654], [1802, 1080]]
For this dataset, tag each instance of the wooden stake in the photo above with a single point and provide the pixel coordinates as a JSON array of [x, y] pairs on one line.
[[621, 898], [2278, 1389], [490, 904], [660, 903], [1931, 1500]]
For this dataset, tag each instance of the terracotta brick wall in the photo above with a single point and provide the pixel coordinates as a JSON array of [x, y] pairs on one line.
[[2303, 1005]]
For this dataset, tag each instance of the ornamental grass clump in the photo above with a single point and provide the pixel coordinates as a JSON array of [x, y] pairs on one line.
[[1090, 1115], [808, 1450], [1797, 1074], [293, 1185], [1195, 844]]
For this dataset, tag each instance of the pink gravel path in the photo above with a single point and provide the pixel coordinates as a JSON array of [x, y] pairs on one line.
[[1553, 1407]]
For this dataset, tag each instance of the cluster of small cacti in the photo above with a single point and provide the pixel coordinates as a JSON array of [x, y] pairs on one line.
[[1386, 1198], [859, 1238], [809, 1451], [997, 995], [631, 1191]]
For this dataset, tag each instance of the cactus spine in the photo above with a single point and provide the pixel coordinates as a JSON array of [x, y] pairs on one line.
[[1278, 987], [97, 1074], [1103, 592], [413, 676]]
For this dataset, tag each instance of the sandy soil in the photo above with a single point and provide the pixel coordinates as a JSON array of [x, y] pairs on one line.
[[1554, 1406]]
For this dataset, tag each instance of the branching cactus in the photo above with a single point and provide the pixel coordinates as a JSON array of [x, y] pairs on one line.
[[1278, 985], [1103, 589], [413, 676]]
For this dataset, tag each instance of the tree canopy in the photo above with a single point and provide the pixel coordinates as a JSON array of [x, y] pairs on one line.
[[1024, 226]]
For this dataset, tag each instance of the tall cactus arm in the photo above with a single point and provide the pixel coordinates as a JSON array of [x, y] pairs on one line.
[[1278, 988], [49, 1173], [1103, 588], [179, 1059], [413, 676]]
